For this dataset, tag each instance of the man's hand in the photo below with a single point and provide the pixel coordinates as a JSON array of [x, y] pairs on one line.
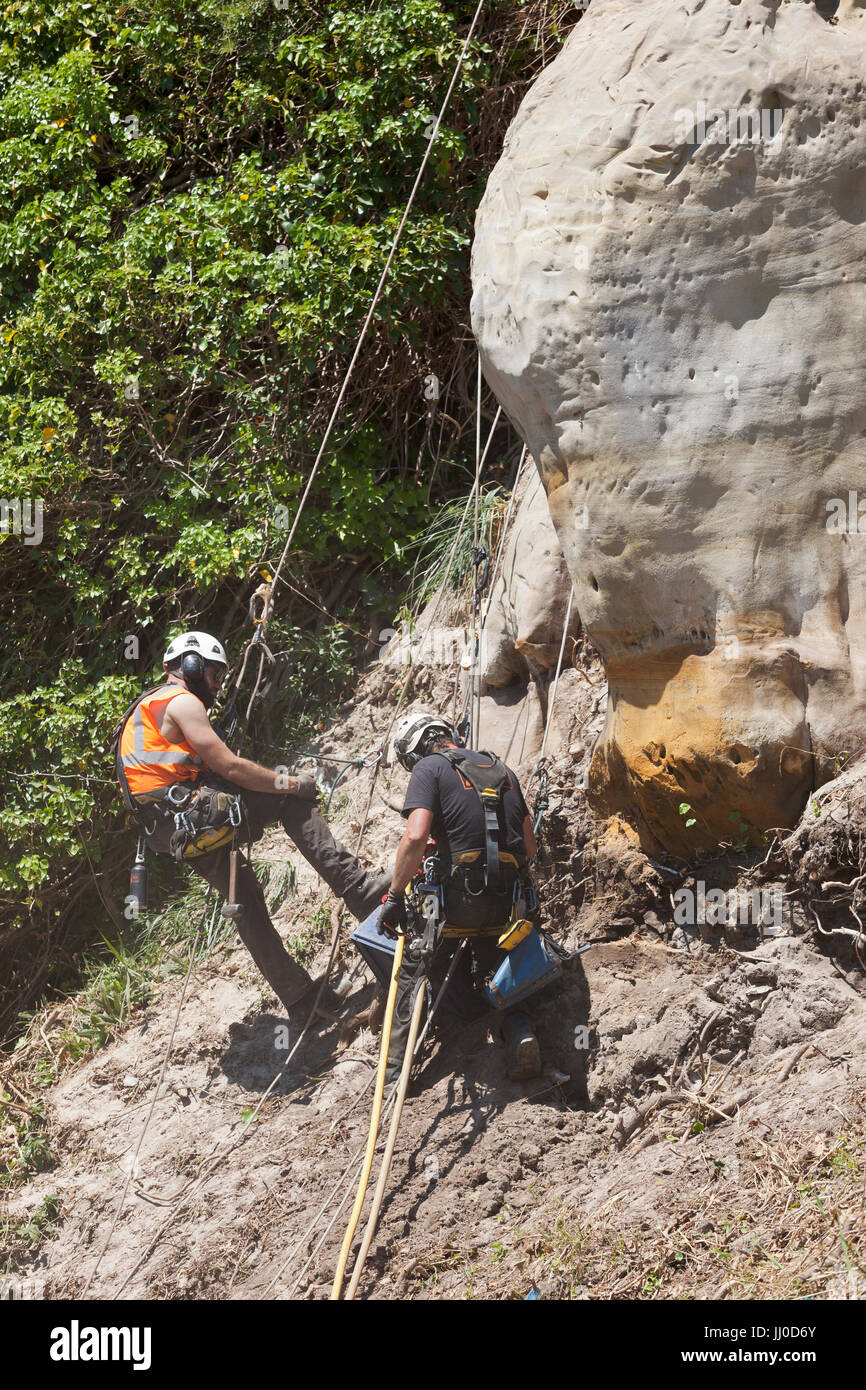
[[307, 788], [392, 919]]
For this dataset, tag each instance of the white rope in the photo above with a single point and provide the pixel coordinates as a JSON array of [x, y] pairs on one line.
[[552, 699], [429, 628], [494, 573], [377, 294], [476, 665], [353, 1167]]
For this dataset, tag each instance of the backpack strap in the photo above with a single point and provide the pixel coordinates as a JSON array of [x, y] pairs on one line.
[[487, 781]]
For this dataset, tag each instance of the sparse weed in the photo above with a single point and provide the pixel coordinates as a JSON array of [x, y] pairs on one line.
[[24, 1143]]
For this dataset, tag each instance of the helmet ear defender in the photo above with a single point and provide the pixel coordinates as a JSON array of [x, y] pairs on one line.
[[192, 666]]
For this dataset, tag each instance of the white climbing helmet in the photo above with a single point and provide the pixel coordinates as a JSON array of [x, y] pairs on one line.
[[416, 732], [207, 647]]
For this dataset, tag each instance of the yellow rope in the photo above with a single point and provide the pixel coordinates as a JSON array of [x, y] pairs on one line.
[[378, 1195], [374, 1123]]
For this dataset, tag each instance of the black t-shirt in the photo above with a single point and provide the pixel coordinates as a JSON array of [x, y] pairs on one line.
[[458, 817]]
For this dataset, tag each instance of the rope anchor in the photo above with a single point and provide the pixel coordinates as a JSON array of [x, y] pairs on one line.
[[542, 799], [264, 596]]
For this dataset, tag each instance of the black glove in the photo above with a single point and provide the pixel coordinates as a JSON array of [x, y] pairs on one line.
[[392, 918], [307, 787]]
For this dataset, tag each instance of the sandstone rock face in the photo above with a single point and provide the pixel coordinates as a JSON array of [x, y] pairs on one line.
[[529, 599], [669, 290], [519, 649]]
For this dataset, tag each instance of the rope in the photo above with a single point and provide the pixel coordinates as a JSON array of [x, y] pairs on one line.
[[356, 1157], [378, 1195], [373, 758], [375, 1115], [491, 584], [258, 638], [552, 700], [541, 800], [433, 615], [377, 295], [475, 674], [494, 573]]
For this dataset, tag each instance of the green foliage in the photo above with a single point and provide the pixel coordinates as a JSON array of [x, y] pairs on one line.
[[196, 202], [42, 1223], [306, 943], [121, 976], [25, 1149], [443, 538]]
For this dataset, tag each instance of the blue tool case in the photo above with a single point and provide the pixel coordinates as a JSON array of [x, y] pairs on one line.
[[376, 949], [527, 968]]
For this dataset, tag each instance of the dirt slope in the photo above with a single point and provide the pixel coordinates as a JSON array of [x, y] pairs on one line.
[[706, 1143]]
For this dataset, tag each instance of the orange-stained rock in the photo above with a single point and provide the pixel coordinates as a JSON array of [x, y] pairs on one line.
[[669, 279]]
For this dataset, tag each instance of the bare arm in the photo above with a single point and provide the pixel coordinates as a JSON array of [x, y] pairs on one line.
[[188, 713], [410, 851]]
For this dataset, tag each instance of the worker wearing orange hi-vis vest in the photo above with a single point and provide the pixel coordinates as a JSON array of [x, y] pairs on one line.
[[190, 795]]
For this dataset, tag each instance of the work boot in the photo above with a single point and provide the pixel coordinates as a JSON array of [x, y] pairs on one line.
[[298, 1006], [364, 899], [522, 1053]]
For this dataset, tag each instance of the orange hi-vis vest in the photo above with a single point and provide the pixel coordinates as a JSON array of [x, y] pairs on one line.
[[149, 762]]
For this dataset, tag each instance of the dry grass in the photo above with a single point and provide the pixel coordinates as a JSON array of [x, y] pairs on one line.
[[791, 1226]]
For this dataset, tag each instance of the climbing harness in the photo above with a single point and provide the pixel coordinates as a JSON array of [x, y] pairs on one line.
[[205, 818], [487, 780]]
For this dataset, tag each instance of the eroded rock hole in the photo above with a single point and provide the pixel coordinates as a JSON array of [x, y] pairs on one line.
[[826, 8]]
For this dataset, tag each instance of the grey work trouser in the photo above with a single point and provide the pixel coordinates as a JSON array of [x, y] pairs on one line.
[[309, 831], [480, 957], [464, 997]]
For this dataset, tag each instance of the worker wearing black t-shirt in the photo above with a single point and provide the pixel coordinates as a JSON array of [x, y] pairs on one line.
[[442, 803]]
